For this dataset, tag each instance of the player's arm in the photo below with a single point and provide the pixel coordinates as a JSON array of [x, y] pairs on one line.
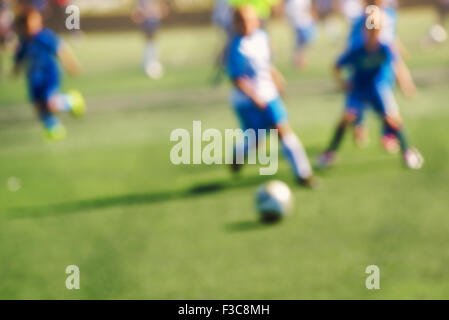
[[236, 69], [400, 49], [404, 78], [340, 80], [68, 59], [402, 72], [279, 80], [337, 71], [245, 85]]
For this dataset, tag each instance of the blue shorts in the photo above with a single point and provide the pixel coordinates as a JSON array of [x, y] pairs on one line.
[[151, 25], [381, 99], [41, 89], [252, 117], [305, 36]]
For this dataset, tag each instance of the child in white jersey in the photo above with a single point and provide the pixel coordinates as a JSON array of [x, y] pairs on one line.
[[256, 95]]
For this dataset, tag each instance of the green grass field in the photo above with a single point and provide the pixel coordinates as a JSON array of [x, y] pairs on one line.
[[108, 199]]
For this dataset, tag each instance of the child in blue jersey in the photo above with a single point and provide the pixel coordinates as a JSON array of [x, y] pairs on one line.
[[38, 52], [369, 84], [256, 96], [301, 17], [388, 36], [148, 14]]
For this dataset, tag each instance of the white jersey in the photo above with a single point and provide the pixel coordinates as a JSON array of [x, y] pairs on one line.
[[250, 56], [299, 13], [351, 9], [222, 14]]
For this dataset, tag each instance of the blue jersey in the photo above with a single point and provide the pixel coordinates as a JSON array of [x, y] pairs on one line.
[[39, 54], [387, 34], [368, 69]]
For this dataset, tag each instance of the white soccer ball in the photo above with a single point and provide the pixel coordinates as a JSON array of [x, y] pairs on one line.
[[274, 201]]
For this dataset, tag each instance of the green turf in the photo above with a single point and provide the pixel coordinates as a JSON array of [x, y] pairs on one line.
[[108, 200]]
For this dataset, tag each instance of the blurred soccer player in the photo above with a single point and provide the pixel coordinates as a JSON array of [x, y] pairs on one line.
[[222, 18], [38, 51], [149, 14], [438, 33], [370, 84], [6, 33], [222, 15], [443, 10], [351, 9], [388, 36], [300, 16], [325, 12], [256, 96]]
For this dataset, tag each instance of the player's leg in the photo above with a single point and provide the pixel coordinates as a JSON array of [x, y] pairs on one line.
[[354, 105], [151, 64], [297, 156], [443, 12], [304, 37], [72, 101], [40, 93], [361, 138], [277, 117], [54, 130], [249, 118], [384, 103], [299, 59]]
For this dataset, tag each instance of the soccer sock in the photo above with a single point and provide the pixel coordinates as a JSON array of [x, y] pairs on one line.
[[296, 155], [150, 54], [399, 133], [388, 130], [243, 147], [61, 102], [338, 138], [402, 140], [49, 120]]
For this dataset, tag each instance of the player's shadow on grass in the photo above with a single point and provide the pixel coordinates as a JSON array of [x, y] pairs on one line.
[[133, 199], [247, 226]]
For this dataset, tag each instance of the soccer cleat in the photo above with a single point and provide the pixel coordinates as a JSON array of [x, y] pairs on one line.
[[236, 168], [438, 34], [326, 159], [77, 102], [413, 159], [311, 182], [391, 144], [57, 133], [154, 70]]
